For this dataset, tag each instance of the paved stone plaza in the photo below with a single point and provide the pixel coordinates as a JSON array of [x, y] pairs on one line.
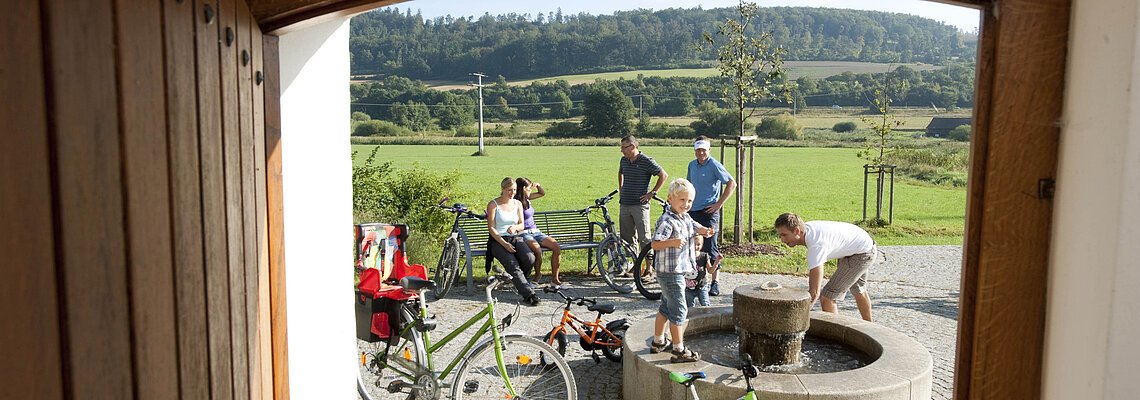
[[915, 291]]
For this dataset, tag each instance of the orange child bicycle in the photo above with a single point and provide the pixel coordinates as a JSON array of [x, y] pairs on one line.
[[592, 335]]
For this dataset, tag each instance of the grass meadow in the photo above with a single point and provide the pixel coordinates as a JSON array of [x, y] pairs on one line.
[[817, 183]]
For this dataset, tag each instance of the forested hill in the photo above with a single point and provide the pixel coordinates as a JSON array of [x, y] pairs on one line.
[[524, 46]]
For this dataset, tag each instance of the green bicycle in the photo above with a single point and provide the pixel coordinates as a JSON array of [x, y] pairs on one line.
[[502, 366], [689, 379]]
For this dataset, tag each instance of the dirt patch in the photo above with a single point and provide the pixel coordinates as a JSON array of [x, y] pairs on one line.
[[750, 249]]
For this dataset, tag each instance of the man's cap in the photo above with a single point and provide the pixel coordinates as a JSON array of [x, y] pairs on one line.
[[702, 144]]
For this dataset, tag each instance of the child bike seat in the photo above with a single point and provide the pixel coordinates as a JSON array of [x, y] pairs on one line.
[[602, 308], [414, 283]]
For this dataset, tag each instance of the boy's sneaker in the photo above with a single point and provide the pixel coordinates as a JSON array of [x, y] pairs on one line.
[[531, 301], [714, 289]]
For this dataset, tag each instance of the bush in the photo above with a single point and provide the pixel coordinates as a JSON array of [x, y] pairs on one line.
[[467, 131], [375, 127], [961, 133], [408, 196], [563, 129], [665, 131], [844, 127], [780, 127], [358, 116]]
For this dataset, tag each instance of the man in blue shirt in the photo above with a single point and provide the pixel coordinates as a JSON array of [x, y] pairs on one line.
[[714, 185]]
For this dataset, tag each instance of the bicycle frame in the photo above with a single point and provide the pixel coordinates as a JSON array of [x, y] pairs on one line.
[[596, 328], [487, 315]]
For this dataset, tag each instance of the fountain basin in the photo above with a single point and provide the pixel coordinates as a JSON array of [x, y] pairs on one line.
[[900, 367]]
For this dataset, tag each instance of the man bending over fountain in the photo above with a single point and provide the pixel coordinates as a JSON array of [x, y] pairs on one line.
[[850, 245], [673, 242]]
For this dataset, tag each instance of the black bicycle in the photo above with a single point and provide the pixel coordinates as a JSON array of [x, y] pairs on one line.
[[447, 270]]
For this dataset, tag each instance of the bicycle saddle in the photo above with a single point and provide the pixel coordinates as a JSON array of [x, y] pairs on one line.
[[602, 308], [416, 284]]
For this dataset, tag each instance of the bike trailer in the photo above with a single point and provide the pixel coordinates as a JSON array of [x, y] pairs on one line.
[[382, 261]]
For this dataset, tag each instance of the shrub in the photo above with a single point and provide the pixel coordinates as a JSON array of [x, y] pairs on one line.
[[563, 129], [467, 131], [358, 116], [407, 196], [780, 127], [961, 133], [375, 127], [844, 127]]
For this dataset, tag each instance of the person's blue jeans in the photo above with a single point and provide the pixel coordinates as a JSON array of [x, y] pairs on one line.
[[673, 305]]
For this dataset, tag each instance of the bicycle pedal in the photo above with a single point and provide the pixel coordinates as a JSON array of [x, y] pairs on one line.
[[396, 386], [594, 355], [470, 387]]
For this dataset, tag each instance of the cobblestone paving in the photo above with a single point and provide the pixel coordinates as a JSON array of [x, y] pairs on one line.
[[915, 291]]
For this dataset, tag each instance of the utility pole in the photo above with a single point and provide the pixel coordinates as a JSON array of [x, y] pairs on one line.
[[479, 85], [640, 113]]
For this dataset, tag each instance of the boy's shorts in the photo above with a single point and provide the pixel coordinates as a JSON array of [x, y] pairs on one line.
[[673, 297], [533, 234], [850, 274]]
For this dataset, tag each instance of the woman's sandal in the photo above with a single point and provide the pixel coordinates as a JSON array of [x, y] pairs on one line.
[[655, 347], [683, 356]]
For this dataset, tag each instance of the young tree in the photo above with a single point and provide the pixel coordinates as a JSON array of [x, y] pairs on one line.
[[606, 111], [878, 147], [751, 63]]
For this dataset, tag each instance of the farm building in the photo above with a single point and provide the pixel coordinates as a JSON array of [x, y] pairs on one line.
[[941, 126]]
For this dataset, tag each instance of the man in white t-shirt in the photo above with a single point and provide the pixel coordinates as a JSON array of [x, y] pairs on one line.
[[850, 245]]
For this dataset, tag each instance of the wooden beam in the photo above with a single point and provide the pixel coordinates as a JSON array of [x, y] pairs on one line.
[[274, 15], [146, 183], [275, 217], [1021, 70], [88, 198], [30, 332]]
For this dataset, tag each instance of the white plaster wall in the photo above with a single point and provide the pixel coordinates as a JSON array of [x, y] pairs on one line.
[[317, 186], [1093, 328]]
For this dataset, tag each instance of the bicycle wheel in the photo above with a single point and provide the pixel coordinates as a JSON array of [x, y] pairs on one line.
[[535, 369], [614, 259], [448, 268], [645, 275], [614, 353], [558, 342], [404, 362]]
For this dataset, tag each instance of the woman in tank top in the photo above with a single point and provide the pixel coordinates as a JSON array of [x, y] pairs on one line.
[[506, 244]]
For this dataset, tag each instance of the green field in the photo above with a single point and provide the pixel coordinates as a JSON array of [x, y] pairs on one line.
[[817, 183], [794, 70]]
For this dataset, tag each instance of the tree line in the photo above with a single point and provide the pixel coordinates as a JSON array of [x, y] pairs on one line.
[[410, 103], [521, 46]]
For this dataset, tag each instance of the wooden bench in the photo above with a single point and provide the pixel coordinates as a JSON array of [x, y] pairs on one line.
[[571, 228]]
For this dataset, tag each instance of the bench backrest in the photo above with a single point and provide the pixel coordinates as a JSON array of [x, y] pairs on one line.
[[567, 227]]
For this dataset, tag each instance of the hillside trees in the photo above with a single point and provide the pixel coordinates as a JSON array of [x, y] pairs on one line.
[[520, 46]]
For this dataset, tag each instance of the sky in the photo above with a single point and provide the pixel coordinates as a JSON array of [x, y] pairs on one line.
[[966, 19]]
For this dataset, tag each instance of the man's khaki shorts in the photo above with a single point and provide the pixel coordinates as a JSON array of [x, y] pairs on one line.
[[850, 274]]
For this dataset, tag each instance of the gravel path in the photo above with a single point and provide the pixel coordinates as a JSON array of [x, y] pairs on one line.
[[915, 291]]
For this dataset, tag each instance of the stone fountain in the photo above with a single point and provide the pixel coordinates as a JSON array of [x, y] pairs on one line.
[[771, 321]]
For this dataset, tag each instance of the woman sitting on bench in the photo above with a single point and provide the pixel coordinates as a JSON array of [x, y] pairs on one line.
[[505, 223], [525, 191]]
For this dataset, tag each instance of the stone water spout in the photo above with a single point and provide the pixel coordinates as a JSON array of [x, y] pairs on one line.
[[771, 321]]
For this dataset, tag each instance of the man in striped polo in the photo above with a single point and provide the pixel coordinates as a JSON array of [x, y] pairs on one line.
[[634, 173]]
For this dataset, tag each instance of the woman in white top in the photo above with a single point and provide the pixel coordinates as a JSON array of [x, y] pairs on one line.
[[505, 223]]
